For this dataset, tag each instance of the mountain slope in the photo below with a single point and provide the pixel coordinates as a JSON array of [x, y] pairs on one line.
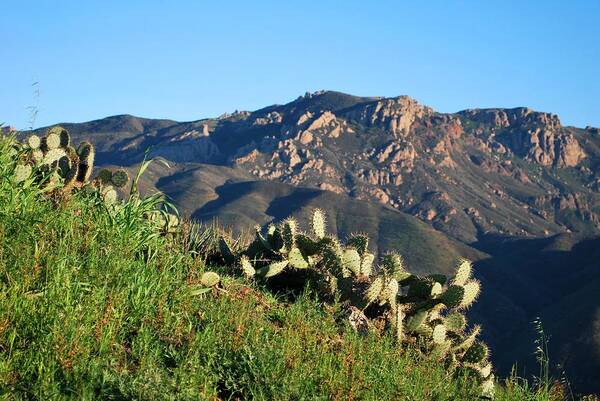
[[556, 279]]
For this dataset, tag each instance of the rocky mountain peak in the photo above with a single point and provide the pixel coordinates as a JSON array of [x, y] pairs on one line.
[[394, 114], [535, 136], [520, 116]]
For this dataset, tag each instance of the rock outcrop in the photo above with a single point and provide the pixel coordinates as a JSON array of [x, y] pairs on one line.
[[535, 136], [395, 114], [546, 147], [520, 116]]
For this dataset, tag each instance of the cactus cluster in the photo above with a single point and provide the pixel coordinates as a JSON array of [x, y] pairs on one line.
[[107, 180], [423, 311], [53, 160]]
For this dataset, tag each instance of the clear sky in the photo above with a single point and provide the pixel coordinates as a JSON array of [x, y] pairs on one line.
[[187, 60]]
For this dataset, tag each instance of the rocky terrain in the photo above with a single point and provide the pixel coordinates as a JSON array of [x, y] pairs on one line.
[[512, 188]]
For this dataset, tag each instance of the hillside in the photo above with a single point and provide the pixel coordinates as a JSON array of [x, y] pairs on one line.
[[505, 187], [99, 303], [556, 279]]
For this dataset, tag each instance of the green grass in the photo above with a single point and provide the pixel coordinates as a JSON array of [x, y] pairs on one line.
[[95, 304]]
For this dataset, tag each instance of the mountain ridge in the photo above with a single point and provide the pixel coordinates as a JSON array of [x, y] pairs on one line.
[[516, 158]]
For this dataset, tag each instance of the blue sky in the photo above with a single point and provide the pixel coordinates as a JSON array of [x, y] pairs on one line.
[[188, 60]]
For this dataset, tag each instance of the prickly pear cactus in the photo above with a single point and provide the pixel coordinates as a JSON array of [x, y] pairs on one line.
[[109, 195], [247, 267], [51, 141], [55, 164], [422, 311], [318, 224], [34, 142]]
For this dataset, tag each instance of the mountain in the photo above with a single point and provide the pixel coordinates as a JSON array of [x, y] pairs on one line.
[[511, 172], [513, 189]]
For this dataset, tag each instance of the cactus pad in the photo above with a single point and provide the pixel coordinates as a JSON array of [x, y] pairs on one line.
[[22, 172], [296, 259], [485, 370], [247, 267], [389, 293], [109, 195], [210, 279], [86, 154], [469, 340], [273, 269], [476, 353], [488, 388], [275, 238], [288, 233], [34, 142], [66, 169], [472, 289], [37, 156], [53, 156], [85, 150], [393, 264], [455, 322], [51, 141], [351, 261], [415, 321], [374, 290], [307, 245], [366, 264], [226, 251], [120, 178], [439, 334], [440, 350], [360, 242], [318, 223], [104, 176], [453, 296], [463, 273], [436, 289]]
